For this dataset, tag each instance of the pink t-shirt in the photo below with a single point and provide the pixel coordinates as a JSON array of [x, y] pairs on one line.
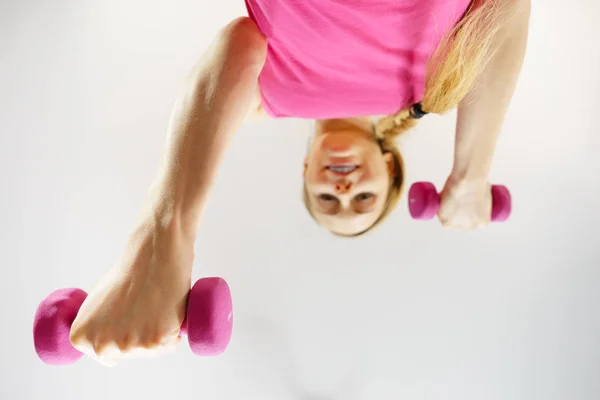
[[347, 58]]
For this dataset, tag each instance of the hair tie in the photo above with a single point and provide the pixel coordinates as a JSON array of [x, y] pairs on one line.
[[416, 111]]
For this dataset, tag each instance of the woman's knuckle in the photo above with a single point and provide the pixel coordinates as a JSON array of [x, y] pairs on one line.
[[124, 343], [76, 337], [102, 345], [149, 341]]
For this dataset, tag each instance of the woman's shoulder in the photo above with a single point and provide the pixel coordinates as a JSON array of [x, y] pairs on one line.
[[244, 41]]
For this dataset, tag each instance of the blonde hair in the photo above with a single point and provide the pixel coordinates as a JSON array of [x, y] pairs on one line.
[[452, 71]]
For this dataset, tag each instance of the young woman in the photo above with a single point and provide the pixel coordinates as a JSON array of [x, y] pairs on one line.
[[339, 62]]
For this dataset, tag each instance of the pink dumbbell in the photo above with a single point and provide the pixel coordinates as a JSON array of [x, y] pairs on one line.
[[424, 202], [208, 322]]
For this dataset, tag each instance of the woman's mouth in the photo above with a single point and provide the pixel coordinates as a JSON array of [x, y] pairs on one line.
[[342, 169]]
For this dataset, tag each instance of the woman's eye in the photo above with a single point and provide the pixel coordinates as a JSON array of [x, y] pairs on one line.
[[326, 197], [364, 196]]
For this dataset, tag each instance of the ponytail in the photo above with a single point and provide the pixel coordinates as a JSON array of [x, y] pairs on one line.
[[453, 69]]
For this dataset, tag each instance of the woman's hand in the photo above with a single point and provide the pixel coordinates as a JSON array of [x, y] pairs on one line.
[[465, 204], [138, 307], [466, 199]]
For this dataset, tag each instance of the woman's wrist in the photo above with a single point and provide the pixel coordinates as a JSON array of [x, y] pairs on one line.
[[469, 174], [170, 213], [464, 179]]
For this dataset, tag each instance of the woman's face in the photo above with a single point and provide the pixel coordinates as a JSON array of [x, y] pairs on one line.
[[347, 179]]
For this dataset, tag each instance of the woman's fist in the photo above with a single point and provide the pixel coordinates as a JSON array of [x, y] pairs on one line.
[[138, 307]]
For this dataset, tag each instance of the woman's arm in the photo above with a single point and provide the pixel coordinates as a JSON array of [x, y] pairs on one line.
[[480, 117], [482, 111], [139, 305], [220, 93]]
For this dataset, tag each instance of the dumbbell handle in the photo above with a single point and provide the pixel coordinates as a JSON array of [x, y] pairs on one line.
[[424, 202], [208, 321]]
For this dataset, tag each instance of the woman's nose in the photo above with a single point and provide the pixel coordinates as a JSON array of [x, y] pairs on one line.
[[343, 187]]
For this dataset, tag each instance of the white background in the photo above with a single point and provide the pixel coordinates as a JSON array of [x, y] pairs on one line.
[[411, 311]]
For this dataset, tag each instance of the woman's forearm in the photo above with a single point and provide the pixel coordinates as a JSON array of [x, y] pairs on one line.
[[209, 110], [482, 111]]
